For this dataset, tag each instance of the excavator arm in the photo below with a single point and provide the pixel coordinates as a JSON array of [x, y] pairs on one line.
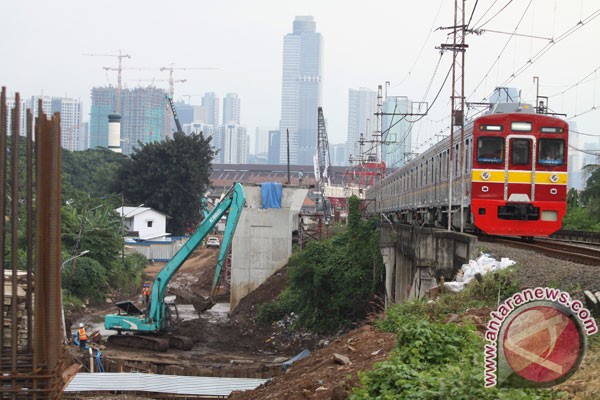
[[156, 319]]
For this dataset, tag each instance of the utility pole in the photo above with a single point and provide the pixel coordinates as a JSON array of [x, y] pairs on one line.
[[119, 69], [457, 100]]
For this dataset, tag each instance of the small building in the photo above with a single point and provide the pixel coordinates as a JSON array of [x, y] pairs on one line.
[[144, 223]]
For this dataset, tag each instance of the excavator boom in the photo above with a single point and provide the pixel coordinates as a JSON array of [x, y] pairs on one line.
[[157, 317]]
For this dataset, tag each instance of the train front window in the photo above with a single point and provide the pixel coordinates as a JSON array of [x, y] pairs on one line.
[[521, 151], [490, 150], [552, 152]]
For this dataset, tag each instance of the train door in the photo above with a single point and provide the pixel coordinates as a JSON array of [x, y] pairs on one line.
[[519, 170]]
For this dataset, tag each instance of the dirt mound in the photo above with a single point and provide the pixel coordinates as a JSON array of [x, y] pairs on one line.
[[320, 375]]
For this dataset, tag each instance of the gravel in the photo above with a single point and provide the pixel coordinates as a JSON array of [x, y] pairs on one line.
[[537, 270]]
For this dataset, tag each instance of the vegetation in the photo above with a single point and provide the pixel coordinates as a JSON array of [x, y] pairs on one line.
[[170, 176], [438, 360], [583, 210], [332, 281]]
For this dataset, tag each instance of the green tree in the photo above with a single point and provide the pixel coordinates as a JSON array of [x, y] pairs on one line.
[[91, 172], [591, 195], [583, 210], [170, 176]]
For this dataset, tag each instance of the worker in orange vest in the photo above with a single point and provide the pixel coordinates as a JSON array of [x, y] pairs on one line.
[[146, 293], [82, 336]]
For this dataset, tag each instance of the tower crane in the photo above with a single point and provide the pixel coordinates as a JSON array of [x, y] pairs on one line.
[[120, 56], [160, 80], [171, 81]]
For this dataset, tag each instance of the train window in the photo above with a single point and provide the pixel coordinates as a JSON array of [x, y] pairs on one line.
[[552, 152], [521, 151], [520, 126], [495, 128], [551, 129], [490, 150]]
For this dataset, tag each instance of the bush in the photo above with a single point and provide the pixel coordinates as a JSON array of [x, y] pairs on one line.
[[432, 360], [332, 281], [127, 279], [86, 279]]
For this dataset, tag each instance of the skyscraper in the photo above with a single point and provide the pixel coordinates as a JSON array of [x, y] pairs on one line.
[[233, 144], [210, 102], [396, 131], [301, 91], [72, 133], [231, 109], [362, 105]]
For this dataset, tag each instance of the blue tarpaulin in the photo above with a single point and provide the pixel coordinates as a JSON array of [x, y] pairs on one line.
[[271, 194]]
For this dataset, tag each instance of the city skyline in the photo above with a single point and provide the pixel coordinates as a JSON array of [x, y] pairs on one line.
[[364, 47]]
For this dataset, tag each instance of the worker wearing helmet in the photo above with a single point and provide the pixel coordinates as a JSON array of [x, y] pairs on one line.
[[82, 336], [146, 293]]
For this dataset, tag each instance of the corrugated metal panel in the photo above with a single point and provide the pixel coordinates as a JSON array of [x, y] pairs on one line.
[[159, 251], [171, 384]]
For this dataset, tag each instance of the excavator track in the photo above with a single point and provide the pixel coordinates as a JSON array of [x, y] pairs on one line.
[[148, 342], [142, 342]]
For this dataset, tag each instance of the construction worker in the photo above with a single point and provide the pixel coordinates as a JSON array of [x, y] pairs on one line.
[[146, 293], [82, 336]]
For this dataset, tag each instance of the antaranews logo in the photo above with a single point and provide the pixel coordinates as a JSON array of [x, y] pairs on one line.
[[536, 338]]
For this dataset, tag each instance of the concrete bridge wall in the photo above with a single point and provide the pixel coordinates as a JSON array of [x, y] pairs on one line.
[[415, 257], [262, 242]]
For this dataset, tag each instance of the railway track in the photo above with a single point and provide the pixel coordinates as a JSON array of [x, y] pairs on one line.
[[552, 248]]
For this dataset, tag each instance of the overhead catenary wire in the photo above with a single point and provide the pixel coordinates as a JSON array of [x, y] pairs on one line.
[[422, 47], [497, 59], [549, 45]]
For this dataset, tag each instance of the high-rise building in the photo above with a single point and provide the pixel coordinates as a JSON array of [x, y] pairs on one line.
[[104, 102], [72, 134], [396, 131], [233, 144], [337, 153], [10, 104], [362, 105], [274, 147], [145, 117], [210, 102], [301, 91], [231, 109]]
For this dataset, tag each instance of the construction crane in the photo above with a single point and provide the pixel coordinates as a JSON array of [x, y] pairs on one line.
[[120, 56], [171, 81], [159, 80], [177, 123], [323, 161]]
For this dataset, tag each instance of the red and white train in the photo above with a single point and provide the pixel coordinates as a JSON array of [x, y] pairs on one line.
[[509, 177]]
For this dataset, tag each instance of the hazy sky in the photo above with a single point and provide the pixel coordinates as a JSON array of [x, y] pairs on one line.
[[366, 43]]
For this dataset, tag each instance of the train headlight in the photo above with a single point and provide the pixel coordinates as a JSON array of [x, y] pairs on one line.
[[485, 175], [553, 178]]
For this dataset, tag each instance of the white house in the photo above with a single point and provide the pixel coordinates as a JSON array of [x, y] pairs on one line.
[[147, 222]]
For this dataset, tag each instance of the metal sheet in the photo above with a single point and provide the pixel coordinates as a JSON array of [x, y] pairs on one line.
[[172, 384]]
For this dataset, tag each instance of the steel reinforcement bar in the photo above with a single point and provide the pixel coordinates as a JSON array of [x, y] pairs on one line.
[[31, 352]]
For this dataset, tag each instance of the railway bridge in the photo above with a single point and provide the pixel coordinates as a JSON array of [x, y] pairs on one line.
[[416, 256]]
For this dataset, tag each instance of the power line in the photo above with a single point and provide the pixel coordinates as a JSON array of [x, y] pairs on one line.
[[577, 83], [501, 51], [584, 134], [495, 15], [548, 46], [422, 46]]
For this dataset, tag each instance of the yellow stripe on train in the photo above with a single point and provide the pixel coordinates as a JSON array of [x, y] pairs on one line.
[[498, 176]]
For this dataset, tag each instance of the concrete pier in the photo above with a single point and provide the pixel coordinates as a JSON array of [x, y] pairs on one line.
[[415, 257], [263, 240]]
